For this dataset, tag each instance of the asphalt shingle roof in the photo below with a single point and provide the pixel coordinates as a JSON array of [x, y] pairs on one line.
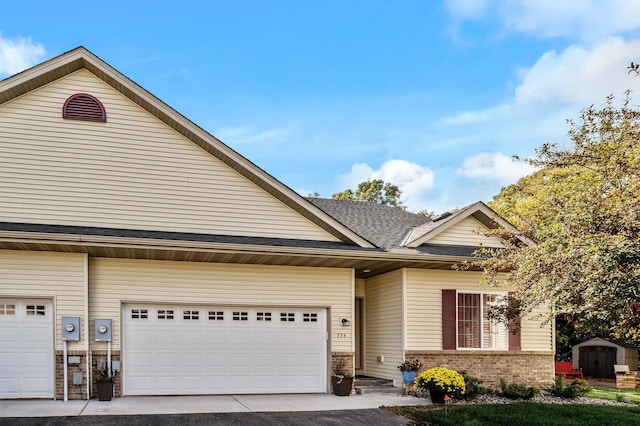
[[384, 226], [177, 236]]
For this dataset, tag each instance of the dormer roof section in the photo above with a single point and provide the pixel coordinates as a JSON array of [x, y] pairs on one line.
[[479, 211]]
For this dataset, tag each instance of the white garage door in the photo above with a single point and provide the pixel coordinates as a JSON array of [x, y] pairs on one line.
[[26, 349], [183, 350]]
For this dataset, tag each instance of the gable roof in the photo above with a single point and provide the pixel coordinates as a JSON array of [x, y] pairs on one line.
[[383, 225], [80, 58], [479, 211]]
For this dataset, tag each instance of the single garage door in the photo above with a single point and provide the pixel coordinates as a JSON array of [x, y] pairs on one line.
[[26, 349], [191, 350]]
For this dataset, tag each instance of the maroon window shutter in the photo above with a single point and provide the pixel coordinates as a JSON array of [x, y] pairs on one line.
[[514, 339], [448, 319]]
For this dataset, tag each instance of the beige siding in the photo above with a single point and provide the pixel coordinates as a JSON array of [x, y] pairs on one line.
[[56, 276], [467, 232], [360, 292], [424, 309], [384, 328], [536, 336], [117, 281], [132, 172]]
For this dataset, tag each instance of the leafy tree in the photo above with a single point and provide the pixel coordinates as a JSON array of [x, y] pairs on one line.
[[428, 214], [583, 210], [315, 194], [376, 191]]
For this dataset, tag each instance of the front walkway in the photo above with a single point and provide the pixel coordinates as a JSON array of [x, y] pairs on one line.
[[201, 404]]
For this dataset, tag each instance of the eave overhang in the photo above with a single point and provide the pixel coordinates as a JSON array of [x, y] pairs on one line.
[[365, 262]]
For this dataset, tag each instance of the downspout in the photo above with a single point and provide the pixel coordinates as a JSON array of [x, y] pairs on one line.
[[86, 325]]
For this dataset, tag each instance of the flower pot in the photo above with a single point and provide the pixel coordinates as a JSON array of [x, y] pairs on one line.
[[105, 390], [409, 377], [437, 397], [342, 387]]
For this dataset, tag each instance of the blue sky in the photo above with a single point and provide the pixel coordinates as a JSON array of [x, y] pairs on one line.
[[434, 96]]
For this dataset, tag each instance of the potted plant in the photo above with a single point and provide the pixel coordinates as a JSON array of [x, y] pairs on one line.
[[342, 381], [409, 370], [104, 384], [440, 382]]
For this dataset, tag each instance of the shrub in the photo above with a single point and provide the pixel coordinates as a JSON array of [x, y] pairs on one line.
[[576, 388], [516, 390], [410, 365], [472, 388], [441, 379]]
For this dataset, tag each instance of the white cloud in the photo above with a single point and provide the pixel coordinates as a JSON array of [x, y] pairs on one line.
[[589, 19], [581, 75], [467, 9], [19, 54], [468, 117], [585, 19], [415, 181], [577, 76], [496, 166], [247, 135]]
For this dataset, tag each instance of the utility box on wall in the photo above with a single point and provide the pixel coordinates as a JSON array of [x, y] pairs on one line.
[[102, 330], [71, 328]]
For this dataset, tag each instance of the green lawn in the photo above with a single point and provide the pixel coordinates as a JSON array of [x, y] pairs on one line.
[[613, 394], [521, 414]]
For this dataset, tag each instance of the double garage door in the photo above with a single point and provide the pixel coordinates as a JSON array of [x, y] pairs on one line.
[[191, 350], [26, 349]]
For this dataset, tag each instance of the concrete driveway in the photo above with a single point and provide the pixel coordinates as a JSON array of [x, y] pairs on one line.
[[290, 409]]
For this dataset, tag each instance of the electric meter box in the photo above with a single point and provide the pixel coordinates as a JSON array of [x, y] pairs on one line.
[[71, 328], [102, 330]]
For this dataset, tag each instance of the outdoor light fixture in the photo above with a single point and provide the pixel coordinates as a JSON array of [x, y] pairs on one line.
[[345, 322]]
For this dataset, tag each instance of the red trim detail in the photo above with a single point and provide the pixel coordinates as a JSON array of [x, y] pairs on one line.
[[83, 106], [449, 318]]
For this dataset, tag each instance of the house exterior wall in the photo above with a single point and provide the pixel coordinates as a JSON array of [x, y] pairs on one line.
[[466, 233], [360, 291], [132, 172], [384, 324], [530, 368], [114, 282], [533, 364], [60, 277]]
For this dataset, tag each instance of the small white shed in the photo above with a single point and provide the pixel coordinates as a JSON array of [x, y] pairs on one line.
[[597, 357]]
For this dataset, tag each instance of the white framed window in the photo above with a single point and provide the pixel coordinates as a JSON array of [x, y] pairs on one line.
[[263, 316], [240, 316], [475, 330], [36, 310], [287, 316], [216, 315], [309, 317], [165, 314], [190, 315], [139, 313], [7, 309]]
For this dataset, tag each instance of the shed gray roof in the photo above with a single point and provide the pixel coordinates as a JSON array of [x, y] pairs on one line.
[[384, 226]]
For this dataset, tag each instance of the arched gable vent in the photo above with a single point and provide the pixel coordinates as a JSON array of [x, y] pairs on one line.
[[83, 106]]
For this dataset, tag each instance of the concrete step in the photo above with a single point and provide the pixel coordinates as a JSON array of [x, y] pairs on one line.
[[368, 385]]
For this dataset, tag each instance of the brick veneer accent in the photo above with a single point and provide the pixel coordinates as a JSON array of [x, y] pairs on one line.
[[348, 358], [523, 367], [73, 391], [117, 383]]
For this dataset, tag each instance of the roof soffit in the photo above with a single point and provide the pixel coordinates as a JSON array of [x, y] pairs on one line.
[[80, 57]]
